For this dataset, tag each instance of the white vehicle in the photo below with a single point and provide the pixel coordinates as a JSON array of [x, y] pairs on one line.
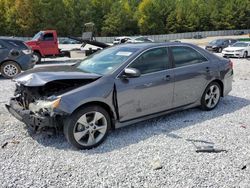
[[139, 39], [238, 49], [120, 40], [67, 44]]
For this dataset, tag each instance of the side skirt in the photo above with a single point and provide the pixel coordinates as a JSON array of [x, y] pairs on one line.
[[133, 121]]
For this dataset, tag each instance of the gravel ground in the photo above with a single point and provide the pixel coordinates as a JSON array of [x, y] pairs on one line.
[[155, 153]]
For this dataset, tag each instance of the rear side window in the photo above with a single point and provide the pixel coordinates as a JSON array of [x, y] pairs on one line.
[[152, 61], [184, 56], [48, 37], [17, 43]]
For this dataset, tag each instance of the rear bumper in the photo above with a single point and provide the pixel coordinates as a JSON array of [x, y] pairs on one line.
[[28, 117], [228, 82]]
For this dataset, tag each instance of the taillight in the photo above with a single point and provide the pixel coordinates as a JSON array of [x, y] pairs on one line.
[[231, 64]]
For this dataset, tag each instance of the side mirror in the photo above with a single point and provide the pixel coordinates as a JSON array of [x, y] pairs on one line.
[[131, 73]]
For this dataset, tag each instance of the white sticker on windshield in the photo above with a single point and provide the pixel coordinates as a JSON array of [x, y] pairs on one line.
[[123, 53]]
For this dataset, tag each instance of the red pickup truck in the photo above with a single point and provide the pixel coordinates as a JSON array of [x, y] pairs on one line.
[[45, 44]]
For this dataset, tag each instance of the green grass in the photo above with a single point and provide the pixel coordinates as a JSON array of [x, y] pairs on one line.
[[245, 39]]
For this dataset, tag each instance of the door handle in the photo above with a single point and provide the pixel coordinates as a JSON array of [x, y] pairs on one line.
[[167, 77], [207, 69], [148, 84]]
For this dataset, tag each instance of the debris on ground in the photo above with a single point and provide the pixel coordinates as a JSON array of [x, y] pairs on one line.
[[207, 147], [156, 165], [13, 142], [4, 145]]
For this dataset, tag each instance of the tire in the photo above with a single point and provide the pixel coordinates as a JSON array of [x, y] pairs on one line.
[[209, 100], [10, 69], [245, 54], [83, 131], [37, 57], [219, 50]]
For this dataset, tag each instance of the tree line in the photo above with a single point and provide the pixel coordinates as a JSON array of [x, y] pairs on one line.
[[122, 17]]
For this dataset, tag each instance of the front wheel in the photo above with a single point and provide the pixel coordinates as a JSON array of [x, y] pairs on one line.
[[37, 57], [10, 69], [87, 127], [211, 96]]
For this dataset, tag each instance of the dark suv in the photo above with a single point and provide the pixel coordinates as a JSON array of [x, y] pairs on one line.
[[219, 44], [15, 56]]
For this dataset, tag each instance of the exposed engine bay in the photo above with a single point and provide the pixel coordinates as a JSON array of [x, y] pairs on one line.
[[28, 95]]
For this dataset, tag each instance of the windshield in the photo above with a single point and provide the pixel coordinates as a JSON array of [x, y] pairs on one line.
[[240, 44], [216, 42], [38, 35], [106, 61]]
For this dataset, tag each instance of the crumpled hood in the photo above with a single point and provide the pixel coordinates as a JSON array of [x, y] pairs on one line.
[[41, 76]]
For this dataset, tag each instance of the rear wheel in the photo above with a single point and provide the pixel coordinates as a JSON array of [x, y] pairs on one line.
[[88, 127], [10, 69], [211, 96], [37, 57]]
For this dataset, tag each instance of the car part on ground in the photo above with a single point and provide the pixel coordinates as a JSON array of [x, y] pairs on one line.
[[15, 56], [120, 85]]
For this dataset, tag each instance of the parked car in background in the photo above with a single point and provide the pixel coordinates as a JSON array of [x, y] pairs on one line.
[[239, 33], [219, 44], [15, 56], [238, 49], [139, 39], [198, 36], [120, 40], [45, 44], [67, 44], [118, 86]]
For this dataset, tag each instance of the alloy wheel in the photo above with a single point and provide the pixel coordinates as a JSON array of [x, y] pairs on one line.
[[90, 128], [212, 96], [10, 70]]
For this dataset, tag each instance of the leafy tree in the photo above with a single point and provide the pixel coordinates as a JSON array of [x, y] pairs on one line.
[[120, 20]]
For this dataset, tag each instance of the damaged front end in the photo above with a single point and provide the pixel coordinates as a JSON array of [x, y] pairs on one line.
[[39, 106]]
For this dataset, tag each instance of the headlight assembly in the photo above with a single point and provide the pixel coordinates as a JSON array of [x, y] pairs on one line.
[[44, 105]]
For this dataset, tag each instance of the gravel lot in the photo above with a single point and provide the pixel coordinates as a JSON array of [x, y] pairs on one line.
[[155, 153]]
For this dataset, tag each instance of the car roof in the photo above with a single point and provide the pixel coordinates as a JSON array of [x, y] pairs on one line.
[[154, 44]]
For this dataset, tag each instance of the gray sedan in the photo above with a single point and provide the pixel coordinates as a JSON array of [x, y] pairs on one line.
[[119, 86]]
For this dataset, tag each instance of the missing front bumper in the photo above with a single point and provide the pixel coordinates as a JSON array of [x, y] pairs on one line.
[[28, 117]]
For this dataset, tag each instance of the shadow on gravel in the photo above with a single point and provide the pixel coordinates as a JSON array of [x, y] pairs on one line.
[[164, 125]]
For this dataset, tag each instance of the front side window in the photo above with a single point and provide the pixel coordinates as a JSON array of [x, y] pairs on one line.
[[152, 61], [184, 56]]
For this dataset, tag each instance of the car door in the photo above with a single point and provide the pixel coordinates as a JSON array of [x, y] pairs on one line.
[[149, 93], [3, 52], [192, 72], [49, 44]]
